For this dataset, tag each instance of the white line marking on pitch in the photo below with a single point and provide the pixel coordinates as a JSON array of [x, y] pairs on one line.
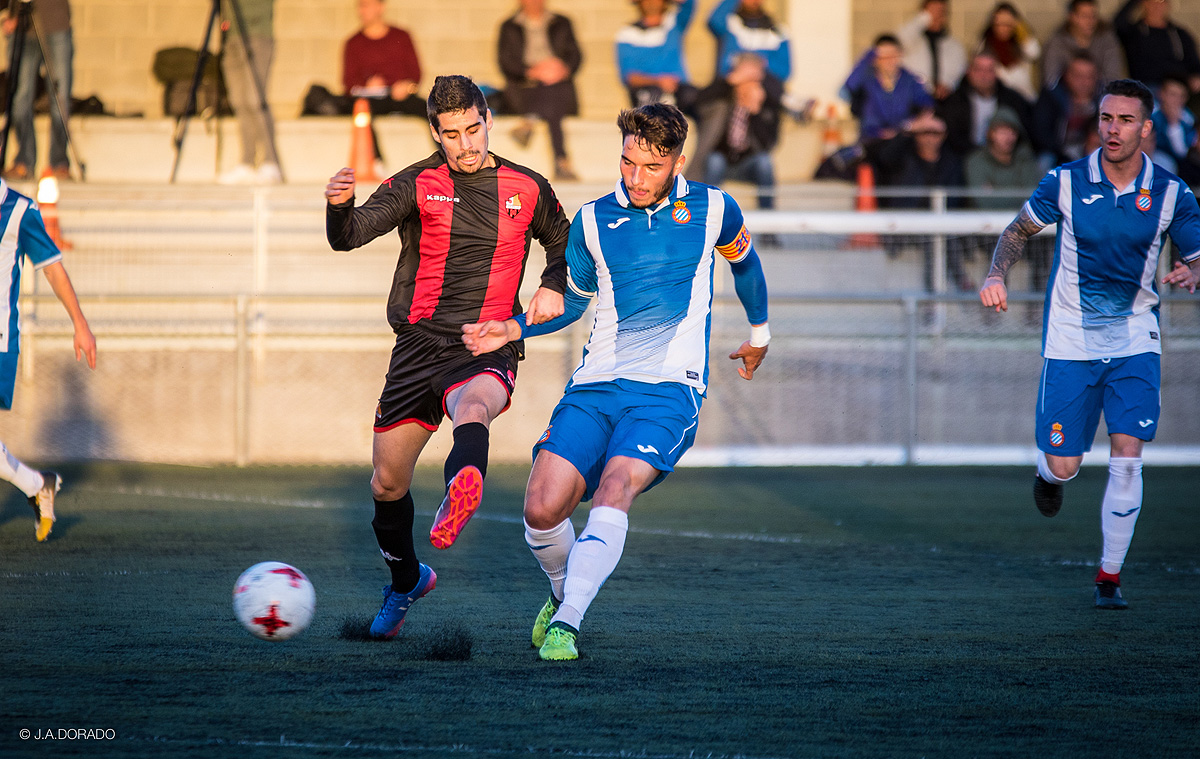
[[501, 518], [457, 748]]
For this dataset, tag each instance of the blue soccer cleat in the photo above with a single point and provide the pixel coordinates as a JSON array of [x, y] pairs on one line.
[[1108, 596], [1047, 496], [390, 618]]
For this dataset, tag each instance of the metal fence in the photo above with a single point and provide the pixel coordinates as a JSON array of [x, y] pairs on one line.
[[229, 333]]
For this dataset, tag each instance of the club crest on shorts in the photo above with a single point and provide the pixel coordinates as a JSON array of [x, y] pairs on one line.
[[681, 214], [1056, 435], [512, 206], [378, 410], [1143, 201]]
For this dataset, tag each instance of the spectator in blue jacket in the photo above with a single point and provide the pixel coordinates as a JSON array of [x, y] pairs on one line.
[[882, 93], [1175, 147], [742, 26], [650, 54]]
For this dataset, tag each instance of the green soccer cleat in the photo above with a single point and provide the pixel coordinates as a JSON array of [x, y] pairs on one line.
[[560, 643], [543, 621]]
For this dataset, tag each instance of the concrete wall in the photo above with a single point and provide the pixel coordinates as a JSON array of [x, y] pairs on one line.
[[116, 41]]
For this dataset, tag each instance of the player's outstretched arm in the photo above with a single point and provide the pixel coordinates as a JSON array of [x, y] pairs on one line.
[[60, 283], [485, 337], [1186, 276], [1009, 249]]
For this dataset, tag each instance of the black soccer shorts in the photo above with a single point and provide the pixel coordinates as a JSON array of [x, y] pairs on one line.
[[425, 367]]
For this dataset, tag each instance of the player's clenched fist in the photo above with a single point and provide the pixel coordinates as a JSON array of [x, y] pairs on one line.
[[994, 294], [341, 187]]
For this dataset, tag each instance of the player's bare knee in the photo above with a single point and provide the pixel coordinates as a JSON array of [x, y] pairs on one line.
[[472, 411], [1063, 469], [543, 511], [386, 487]]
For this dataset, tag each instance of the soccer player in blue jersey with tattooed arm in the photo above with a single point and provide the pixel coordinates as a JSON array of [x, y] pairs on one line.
[[647, 253], [1101, 339]]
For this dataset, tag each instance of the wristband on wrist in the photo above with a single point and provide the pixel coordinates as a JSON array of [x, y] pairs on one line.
[[760, 335]]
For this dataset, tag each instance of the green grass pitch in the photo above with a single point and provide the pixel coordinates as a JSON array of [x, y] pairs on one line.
[[756, 613]]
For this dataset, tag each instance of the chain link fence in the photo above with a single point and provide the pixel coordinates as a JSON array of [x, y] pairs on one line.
[[229, 333]]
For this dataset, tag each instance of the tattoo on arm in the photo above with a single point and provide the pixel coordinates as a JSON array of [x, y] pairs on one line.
[[1011, 245]]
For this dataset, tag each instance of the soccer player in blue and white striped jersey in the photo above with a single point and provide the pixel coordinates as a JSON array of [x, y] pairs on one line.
[[1101, 340], [23, 234], [646, 252]]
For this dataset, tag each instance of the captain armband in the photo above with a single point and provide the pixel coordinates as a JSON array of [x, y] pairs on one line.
[[760, 335], [738, 249]]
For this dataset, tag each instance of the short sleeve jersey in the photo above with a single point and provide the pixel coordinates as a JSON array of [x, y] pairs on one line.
[[651, 270], [1102, 298], [22, 235]]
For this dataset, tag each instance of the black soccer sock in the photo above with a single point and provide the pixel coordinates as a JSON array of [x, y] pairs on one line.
[[470, 449], [393, 525]]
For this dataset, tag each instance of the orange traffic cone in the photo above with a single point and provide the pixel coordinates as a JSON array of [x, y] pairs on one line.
[[832, 139], [362, 144], [865, 201], [47, 199]]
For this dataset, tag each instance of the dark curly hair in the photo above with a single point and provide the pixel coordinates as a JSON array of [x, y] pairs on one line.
[[451, 94], [660, 126], [1131, 88]]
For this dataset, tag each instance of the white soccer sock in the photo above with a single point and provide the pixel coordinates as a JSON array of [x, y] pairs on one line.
[[592, 560], [29, 481], [1119, 511], [551, 549], [1043, 467]]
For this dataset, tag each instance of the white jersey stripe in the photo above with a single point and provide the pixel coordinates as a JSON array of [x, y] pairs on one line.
[[10, 263]]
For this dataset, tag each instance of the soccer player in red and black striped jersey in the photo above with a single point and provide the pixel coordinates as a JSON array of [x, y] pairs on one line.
[[465, 217]]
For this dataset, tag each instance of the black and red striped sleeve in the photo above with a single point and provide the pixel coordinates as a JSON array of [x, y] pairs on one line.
[[348, 227], [550, 227]]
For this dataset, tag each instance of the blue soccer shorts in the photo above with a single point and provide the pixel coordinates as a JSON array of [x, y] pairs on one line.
[[595, 422], [1073, 393]]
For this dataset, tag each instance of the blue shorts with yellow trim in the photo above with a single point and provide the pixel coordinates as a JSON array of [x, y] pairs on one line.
[[1074, 393], [595, 422]]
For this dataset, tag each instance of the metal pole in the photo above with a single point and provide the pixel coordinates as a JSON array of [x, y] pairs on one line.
[[938, 204], [910, 380], [241, 423], [261, 248]]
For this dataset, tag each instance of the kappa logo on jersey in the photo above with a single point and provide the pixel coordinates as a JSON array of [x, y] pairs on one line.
[[1093, 199], [442, 198], [681, 214], [618, 222], [1056, 435], [736, 250], [1143, 202], [512, 206]]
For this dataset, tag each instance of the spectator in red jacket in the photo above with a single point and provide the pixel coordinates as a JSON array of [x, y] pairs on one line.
[[380, 63]]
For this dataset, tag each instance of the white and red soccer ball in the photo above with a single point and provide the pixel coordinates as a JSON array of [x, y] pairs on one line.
[[273, 600]]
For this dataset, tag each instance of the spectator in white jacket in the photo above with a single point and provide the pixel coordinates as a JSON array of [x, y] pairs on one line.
[[937, 59]]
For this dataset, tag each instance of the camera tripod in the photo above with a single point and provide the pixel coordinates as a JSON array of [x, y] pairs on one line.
[[189, 109], [25, 20]]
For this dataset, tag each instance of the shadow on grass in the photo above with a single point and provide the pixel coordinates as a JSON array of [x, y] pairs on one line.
[[449, 642]]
